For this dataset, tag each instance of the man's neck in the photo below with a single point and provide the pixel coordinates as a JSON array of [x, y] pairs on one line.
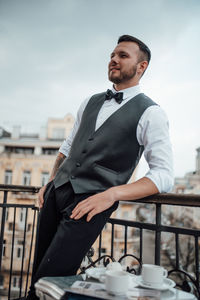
[[125, 85]]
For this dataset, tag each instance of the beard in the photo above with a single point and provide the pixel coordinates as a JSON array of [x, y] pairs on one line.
[[123, 76]]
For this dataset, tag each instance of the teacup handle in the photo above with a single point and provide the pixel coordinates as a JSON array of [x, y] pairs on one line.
[[102, 278], [165, 273]]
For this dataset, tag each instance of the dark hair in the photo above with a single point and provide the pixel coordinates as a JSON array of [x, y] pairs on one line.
[[143, 48]]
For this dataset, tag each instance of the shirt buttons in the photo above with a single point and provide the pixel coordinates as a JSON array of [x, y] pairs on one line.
[[78, 164]]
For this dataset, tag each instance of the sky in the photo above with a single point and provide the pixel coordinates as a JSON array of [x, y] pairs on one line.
[[54, 54]]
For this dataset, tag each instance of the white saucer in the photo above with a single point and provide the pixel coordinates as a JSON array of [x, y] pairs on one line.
[[95, 272], [167, 284], [166, 295]]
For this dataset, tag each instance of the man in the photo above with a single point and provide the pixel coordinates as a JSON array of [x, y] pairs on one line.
[[96, 161]]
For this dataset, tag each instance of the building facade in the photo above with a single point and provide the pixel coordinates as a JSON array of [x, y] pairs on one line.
[[25, 160]]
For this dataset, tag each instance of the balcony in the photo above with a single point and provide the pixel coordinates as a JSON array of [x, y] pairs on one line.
[[127, 241]]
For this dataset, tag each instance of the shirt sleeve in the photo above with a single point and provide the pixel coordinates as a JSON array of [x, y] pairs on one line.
[[153, 134], [66, 145]]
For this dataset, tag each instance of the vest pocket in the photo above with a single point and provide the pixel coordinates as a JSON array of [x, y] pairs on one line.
[[97, 166]]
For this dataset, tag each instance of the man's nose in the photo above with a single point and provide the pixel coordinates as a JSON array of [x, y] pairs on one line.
[[114, 60]]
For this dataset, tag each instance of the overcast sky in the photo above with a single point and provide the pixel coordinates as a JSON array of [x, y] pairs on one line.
[[53, 54]]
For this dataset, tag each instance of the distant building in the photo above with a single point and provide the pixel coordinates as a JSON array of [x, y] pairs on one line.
[[25, 159], [190, 183]]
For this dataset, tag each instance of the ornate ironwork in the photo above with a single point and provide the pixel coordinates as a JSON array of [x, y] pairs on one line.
[[189, 282]]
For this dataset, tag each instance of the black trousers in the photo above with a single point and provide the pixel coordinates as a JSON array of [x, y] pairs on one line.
[[62, 242]]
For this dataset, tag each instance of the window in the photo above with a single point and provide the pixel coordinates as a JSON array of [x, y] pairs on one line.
[[16, 282], [8, 177], [1, 281], [103, 250], [50, 151], [10, 226], [58, 133], [4, 249], [19, 252], [20, 248], [20, 242], [22, 217], [19, 150], [44, 178], [26, 180]]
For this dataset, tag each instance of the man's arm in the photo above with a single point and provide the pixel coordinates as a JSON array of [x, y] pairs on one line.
[[97, 203], [60, 158]]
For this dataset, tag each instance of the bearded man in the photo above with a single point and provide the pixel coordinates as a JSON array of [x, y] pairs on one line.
[[94, 164]]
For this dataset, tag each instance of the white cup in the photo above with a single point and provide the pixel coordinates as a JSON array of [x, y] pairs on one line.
[[153, 275], [116, 282]]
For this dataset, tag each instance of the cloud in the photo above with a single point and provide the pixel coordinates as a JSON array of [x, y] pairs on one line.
[[53, 54]]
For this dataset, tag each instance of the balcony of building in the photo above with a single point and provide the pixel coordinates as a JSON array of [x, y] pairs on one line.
[[148, 237]]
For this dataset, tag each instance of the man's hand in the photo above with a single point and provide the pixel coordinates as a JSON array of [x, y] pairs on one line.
[[41, 196], [93, 205]]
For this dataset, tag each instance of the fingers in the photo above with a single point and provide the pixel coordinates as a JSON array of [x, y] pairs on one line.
[[80, 210], [41, 196], [91, 214], [41, 202]]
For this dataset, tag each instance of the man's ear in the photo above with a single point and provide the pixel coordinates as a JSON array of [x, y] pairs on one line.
[[141, 67]]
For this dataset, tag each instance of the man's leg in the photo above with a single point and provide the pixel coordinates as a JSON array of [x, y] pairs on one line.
[[46, 229], [49, 219], [71, 242]]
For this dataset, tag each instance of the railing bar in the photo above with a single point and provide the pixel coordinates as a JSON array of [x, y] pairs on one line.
[[153, 227], [12, 252], [19, 188], [3, 219], [30, 251], [158, 234], [125, 239], [141, 245], [100, 240], [197, 261], [177, 250], [112, 240], [17, 205], [23, 253]]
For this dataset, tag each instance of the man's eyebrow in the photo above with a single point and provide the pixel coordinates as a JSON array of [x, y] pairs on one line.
[[120, 52], [123, 52]]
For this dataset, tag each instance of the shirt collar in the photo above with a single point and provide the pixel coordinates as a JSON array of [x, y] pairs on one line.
[[129, 92]]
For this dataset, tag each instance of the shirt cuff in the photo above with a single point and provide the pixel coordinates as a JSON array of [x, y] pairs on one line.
[[163, 182]]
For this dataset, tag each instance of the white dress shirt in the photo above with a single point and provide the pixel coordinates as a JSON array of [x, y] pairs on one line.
[[152, 133]]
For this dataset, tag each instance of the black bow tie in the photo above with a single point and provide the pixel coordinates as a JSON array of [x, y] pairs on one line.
[[118, 96]]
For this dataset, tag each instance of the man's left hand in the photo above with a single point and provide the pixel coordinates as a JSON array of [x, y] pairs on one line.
[[93, 205]]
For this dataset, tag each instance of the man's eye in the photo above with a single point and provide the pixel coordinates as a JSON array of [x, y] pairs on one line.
[[123, 55]]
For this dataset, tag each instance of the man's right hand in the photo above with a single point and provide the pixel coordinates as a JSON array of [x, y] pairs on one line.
[[41, 196]]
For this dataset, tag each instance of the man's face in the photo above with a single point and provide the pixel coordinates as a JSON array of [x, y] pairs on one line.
[[123, 63]]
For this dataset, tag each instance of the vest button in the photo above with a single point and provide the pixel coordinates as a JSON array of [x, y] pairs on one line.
[[73, 177], [90, 139], [78, 164], [84, 151]]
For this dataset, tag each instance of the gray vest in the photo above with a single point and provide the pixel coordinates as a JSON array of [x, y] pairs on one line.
[[108, 156]]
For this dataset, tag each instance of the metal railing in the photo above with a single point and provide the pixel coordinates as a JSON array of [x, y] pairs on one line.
[[190, 280], [16, 241], [28, 236]]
